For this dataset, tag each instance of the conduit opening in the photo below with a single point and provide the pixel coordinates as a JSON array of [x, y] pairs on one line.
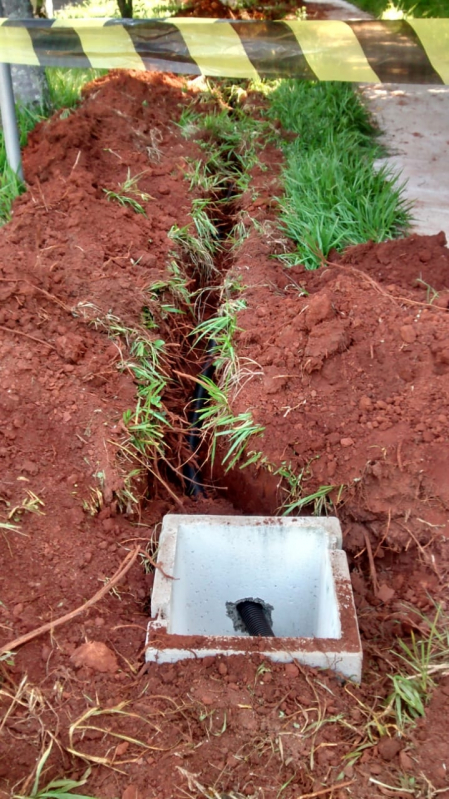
[[252, 614], [233, 610]]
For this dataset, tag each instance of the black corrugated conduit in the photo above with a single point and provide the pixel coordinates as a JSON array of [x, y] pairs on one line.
[[191, 471], [253, 617]]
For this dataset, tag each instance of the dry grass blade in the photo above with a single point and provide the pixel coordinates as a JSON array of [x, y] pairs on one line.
[[375, 285], [26, 335], [45, 628], [324, 791], [81, 726], [15, 699], [195, 786]]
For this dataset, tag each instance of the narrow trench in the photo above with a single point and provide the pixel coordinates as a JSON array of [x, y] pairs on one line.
[[187, 478], [188, 457], [189, 460], [221, 214]]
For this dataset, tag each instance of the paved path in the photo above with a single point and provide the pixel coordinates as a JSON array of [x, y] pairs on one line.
[[415, 121]]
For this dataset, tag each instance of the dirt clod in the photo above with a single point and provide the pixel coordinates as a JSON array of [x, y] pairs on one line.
[[95, 655], [291, 670], [388, 748]]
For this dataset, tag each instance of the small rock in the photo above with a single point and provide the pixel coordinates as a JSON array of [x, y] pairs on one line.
[[408, 334], [440, 773], [206, 697], [425, 255], [331, 468], [131, 792], [291, 670], [29, 467], [347, 442], [222, 669], [442, 300], [319, 309], [169, 676], [95, 655], [365, 404], [385, 593], [388, 748], [45, 652], [405, 761], [71, 347], [358, 584], [17, 609], [120, 749]]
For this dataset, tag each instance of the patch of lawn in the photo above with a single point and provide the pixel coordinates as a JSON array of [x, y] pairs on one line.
[[334, 196]]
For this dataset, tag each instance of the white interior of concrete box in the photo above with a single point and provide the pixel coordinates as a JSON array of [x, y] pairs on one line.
[[294, 567], [216, 564], [220, 560]]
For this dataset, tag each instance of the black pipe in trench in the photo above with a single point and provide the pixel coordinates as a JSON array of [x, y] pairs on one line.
[[251, 613], [191, 470]]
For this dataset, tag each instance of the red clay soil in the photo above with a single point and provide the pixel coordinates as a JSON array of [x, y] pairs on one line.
[[279, 10], [361, 362], [355, 384]]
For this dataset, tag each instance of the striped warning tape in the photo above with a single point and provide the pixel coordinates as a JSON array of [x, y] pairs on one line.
[[416, 51]]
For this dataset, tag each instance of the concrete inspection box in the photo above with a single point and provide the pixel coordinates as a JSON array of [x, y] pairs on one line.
[[294, 567]]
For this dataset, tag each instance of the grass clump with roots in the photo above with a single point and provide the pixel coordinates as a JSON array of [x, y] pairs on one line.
[[217, 417]]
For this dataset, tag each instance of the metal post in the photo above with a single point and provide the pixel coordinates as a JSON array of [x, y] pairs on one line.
[[9, 121]]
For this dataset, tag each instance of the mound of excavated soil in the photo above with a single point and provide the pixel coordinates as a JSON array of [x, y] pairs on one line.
[[355, 384], [354, 387]]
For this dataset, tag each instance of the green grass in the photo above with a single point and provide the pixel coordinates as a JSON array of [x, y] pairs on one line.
[[147, 422], [65, 85], [56, 789], [127, 193], [144, 356], [142, 9], [218, 419], [10, 185], [231, 142], [171, 295], [233, 432], [411, 8], [422, 660], [196, 250], [221, 329], [333, 195]]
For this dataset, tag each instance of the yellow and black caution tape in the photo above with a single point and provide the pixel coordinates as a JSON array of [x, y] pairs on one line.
[[413, 51]]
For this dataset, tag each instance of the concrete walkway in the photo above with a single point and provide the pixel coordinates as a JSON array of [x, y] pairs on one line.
[[415, 121]]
